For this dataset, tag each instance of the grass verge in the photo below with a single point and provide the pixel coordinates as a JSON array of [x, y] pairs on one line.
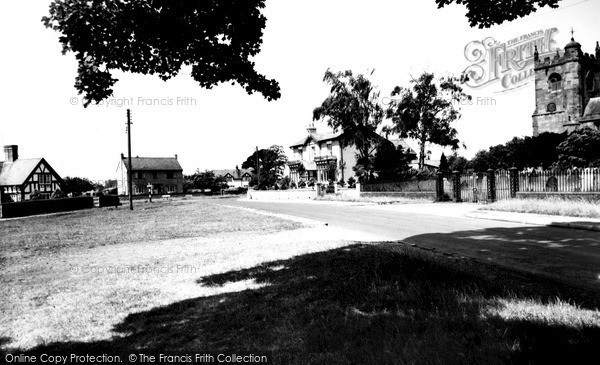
[[550, 206]]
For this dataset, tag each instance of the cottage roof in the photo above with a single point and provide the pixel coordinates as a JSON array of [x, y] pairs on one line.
[[17, 172], [236, 174], [153, 163], [318, 137]]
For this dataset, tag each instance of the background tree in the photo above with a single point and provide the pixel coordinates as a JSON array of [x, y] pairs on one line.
[[110, 183], [216, 38], [426, 112], [77, 185], [444, 166], [272, 163], [580, 149], [457, 163], [485, 13], [390, 162], [205, 180], [353, 107]]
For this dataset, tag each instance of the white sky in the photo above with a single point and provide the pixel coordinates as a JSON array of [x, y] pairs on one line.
[[397, 38]]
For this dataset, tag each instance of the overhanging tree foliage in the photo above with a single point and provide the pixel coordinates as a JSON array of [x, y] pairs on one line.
[[217, 38], [485, 13], [353, 106], [426, 112]]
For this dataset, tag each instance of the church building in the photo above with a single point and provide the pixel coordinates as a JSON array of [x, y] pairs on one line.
[[567, 90]]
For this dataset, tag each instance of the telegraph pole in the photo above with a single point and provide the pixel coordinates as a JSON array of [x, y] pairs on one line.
[[129, 172], [258, 168]]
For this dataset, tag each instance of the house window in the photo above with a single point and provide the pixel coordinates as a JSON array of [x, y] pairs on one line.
[[247, 177], [155, 175], [329, 149], [45, 182], [140, 175], [45, 179], [170, 175], [300, 153], [171, 188], [555, 82], [138, 189]]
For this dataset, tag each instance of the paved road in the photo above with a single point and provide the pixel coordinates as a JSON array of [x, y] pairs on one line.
[[568, 255]]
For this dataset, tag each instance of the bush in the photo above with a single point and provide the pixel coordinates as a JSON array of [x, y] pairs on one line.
[[36, 195], [293, 185], [352, 182], [311, 182], [341, 183], [330, 187], [302, 184], [58, 194]]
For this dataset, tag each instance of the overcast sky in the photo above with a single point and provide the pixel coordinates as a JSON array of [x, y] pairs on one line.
[[397, 38]]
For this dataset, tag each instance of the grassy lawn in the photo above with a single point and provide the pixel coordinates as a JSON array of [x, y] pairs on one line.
[[75, 276], [550, 206], [194, 276]]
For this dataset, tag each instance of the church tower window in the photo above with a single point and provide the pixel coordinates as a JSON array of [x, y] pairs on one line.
[[554, 82]]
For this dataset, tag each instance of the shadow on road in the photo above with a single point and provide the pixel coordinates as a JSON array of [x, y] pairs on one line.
[[366, 304], [566, 255]]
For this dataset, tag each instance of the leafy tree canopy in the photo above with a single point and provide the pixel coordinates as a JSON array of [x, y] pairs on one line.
[[217, 38], [485, 13], [390, 162], [426, 111], [77, 185], [271, 163], [580, 149]]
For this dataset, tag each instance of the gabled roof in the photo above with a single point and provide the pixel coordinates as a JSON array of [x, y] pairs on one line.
[[236, 174], [153, 163], [317, 137], [406, 149], [17, 172]]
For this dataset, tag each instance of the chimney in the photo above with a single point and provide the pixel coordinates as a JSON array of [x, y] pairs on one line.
[[176, 156], [11, 153], [122, 156], [597, 50], [311, 128]]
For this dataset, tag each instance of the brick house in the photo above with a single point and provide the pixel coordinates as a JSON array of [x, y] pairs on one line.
[[161, 175], [567, 90], [19, 178]]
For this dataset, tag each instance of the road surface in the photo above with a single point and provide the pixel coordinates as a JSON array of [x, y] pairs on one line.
[[569, 255]]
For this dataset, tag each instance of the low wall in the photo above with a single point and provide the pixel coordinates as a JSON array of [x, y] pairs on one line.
[[349, 193], [291, 194], [34, 207], [593, 197], [429, 195]]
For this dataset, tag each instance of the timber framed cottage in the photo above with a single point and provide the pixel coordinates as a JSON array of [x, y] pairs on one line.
[[20, 178]]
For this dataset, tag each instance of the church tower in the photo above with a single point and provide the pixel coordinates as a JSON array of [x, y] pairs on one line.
[[565, 87]]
